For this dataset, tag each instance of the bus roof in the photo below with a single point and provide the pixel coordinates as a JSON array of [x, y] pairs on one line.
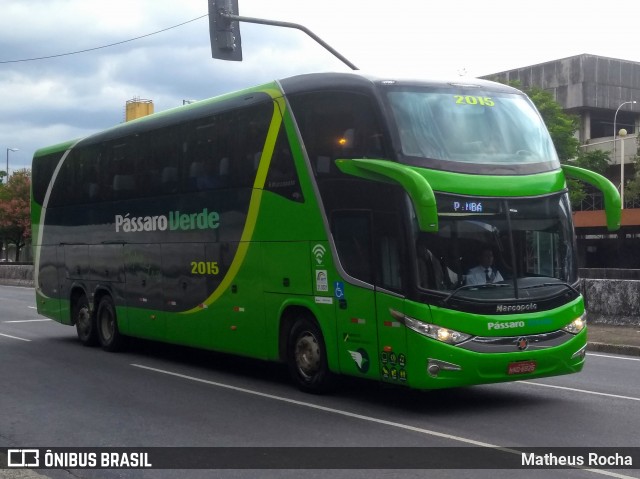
[[286, 86], [322, 81]]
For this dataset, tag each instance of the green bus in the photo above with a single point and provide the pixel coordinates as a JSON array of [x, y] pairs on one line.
[[329, 221]]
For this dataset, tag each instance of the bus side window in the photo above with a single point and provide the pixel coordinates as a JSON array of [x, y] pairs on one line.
[[123, 186], [388, 237], [337, 124], [282, 178], [352, 235]]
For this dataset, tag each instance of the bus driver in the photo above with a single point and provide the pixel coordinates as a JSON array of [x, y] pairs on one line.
[[485, 272]]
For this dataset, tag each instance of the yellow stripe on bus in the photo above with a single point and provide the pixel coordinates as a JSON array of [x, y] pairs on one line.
[[254, 207]]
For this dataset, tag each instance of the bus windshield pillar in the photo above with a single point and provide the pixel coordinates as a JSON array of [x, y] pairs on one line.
[[416, 186]]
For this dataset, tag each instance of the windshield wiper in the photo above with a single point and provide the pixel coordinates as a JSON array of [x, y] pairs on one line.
[[559, 283], [474, 286]]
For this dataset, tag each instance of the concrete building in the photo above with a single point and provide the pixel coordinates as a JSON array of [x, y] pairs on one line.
[[601, 91]]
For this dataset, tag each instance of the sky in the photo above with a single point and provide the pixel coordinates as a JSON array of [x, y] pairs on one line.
[[44, 102]]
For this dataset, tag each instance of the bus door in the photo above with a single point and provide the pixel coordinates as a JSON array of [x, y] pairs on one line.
[[370, 342], [392, 339], [391, 281]]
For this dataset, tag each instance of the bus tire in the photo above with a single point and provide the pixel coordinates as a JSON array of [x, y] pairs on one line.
[[107, 325], [85, 322], [307, 358]]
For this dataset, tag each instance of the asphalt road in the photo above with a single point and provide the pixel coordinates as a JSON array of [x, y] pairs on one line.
[[57, 393]]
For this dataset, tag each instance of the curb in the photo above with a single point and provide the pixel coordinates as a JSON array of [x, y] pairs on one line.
[[614, 348]]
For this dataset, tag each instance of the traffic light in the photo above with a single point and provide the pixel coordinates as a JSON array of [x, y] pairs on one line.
[[224, 32]]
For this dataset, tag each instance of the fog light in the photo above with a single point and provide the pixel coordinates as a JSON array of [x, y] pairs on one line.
[[434, 366]]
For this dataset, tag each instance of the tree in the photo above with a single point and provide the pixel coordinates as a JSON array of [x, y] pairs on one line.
[[15, 212], [632, 188], [594, 160], [562, 127]]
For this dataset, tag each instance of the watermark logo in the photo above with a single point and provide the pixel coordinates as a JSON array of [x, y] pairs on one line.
[[23, 457]]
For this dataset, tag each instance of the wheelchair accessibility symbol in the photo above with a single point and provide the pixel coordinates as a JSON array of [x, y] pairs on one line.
[[338, 289]]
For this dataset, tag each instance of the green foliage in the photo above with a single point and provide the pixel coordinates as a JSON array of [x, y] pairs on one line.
[[15, 220], [632, 187], [594, 160], [562, 127]]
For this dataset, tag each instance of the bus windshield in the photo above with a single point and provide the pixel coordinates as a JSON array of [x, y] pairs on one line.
[[469, 126], [498, 249]]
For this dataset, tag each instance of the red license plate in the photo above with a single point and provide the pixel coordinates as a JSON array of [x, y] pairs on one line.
[[521, 367]]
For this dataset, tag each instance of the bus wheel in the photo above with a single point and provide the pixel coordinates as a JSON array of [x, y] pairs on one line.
[[107, 325], [85, 322], [307, 358]]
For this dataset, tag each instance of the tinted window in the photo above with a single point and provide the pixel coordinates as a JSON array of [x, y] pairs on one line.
[[217, 151], [43, 168], [282, 178], [337, 125]]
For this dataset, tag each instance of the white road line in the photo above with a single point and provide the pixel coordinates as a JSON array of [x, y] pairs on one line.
[[27, 321], [626, 358], [362, 417], [14, 337], [585, 391]]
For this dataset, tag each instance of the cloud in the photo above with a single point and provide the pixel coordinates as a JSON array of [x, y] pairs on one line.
[[50, 101]]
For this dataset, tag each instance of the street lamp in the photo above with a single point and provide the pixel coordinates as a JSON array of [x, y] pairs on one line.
[[614, 150], [8, 150]]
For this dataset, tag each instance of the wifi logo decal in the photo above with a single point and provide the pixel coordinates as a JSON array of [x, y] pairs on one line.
[[318, 252]]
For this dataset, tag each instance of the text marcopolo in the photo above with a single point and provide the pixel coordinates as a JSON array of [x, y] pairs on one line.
[[174, 221]]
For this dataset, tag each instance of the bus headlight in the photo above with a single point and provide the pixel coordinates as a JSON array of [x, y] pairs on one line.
[[439, 333], [577, 325]]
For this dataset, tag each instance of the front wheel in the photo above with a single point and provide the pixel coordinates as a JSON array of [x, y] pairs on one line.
[[307, 358], [107, 326]]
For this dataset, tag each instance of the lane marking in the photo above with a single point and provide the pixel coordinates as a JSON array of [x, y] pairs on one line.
[[613, 357], [321, 408], [595, 393], [14, 337], [364, 418], [27, 321]]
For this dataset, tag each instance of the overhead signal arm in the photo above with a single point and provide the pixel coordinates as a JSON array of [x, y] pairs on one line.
[[225, 31]]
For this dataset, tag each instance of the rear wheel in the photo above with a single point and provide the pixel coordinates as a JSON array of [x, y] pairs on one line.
[[107, 325], [307, 358], [85, 322]]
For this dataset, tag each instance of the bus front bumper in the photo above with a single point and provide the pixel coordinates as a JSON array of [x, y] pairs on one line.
[[438, 365]]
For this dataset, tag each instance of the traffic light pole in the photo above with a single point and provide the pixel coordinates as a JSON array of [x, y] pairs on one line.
[[275, 23]]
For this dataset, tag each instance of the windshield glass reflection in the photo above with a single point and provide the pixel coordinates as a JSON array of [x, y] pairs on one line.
[[498, 249], [469, 126]]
